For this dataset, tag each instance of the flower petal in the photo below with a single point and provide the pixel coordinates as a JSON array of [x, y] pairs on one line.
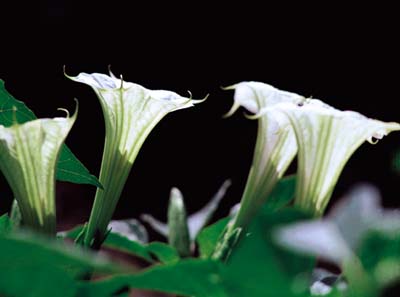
[[275, 147], [28, 157], [130, 113], [327, 138]]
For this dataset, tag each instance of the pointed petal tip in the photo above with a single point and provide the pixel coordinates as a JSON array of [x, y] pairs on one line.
[[199, 100], [110, 72], [74, 115], [227, 183], [384, 129], [233, 109], [65, 72], [252, 116], [228, 88]]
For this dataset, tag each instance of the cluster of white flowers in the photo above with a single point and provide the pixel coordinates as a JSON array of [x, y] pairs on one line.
[[323, 137]]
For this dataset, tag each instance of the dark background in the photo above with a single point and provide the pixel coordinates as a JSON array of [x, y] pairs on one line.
[[347, 56]]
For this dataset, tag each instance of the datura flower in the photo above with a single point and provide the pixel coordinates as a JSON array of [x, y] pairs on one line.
[[275, 147], [326, 137], [130, 113], [28, 158]]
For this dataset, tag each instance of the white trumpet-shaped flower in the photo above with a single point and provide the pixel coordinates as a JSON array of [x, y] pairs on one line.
[[275, 147], [130, 113], [28, 158], [326, 138]]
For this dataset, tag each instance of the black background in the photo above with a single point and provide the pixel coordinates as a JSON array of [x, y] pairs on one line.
[[347, 56]]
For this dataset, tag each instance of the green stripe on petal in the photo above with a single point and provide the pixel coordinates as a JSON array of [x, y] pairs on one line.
[[28, 158], [326, 138], [275, 147], [130, 113]]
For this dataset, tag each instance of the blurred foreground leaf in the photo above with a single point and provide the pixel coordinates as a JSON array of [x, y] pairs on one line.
[[152, 252], [256, 268], [34, 266], [5, 224], [200, 278], [380, 256]]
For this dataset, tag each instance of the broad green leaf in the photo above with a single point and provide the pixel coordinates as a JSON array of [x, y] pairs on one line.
[[122, 243], [339, 236], [5, 224], [69, 167], [209, 236], [336, 293], [115, 241], [192, 277], [36, 281], [257, 267], [282, 194], [163, 252], [25, 251], [150, 252], [380, 256]]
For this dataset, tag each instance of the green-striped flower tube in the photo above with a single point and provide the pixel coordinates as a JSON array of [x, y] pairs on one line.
[[275, 146], [326, 137], [28, 158], [130, 113]]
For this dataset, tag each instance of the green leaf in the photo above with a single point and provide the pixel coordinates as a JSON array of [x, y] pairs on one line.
[[209, 236], [282, 194], [163, 252], [40, 281], [380, 256], [151, 252], [69, 168], [258, 267], [29, 251], [5, 224], [116, 241], [190, 277], [122, 243]]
